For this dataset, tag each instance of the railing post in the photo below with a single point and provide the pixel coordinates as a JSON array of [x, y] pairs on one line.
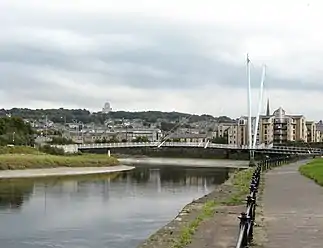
[[251, 202], [243, 222], [247, 219]]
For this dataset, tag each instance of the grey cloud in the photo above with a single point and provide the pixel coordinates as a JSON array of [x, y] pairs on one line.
[[168, 58], [22, 87]]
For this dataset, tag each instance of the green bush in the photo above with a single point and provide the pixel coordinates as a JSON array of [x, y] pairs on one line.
[[52, 150], [61, 141], [18, 150], [13, 130]]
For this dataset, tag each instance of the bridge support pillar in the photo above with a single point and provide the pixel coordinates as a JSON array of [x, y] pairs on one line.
[[109, 153], [252, 161]]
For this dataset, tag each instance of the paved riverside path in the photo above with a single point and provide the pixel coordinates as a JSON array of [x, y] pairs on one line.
[[62, 171], [293, 209]]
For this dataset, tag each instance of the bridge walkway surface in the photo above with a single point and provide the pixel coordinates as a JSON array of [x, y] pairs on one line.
[[293, 209]]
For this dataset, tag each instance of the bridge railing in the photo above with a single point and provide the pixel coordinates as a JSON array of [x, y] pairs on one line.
[[259, 148], [247, 218], [120, 144], [297, 148], [152, 144], [169, 144]]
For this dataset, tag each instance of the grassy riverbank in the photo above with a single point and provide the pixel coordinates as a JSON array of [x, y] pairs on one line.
[[19, 150], [313, 170], [13, 158], [239, 182], [228, 195]]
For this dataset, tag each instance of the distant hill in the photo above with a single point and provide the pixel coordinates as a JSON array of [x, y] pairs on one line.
[[61, 115]]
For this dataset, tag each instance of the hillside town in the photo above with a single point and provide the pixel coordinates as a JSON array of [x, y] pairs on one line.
[[276, 127]]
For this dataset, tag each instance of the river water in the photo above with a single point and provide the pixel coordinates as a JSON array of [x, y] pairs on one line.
[[117, 210]]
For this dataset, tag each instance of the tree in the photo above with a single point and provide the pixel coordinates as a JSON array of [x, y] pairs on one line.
[[62, 115], [113, 139], [166, 126], [13, 130], [141, 139], [61, 141], [220, 140]]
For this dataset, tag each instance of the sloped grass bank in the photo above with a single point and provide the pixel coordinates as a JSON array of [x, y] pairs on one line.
[[313, 170]]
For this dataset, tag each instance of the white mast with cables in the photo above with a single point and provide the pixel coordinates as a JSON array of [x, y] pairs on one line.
[[249, 109], [259, 106], [252, 140]]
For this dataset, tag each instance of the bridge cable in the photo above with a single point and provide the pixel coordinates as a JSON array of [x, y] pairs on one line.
[[170, 132]]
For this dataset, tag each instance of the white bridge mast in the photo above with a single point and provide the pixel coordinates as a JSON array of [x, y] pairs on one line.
[[252, 141], [259, 106], [249, 108]]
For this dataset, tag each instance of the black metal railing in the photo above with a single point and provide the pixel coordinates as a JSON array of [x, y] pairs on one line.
[[247, 218]]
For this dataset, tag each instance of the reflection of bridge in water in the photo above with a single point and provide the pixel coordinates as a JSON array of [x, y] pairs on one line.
[[158, 178]]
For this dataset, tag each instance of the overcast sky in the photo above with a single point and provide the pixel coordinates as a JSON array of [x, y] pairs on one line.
[[169, 55]]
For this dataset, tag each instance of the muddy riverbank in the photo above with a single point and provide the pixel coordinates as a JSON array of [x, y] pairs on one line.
[[62, 171]]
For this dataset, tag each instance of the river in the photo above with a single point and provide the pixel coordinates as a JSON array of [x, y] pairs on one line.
[[117, 210]]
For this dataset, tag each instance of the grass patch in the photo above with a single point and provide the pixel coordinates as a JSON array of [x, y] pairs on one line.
[[240, 182], [18, 150], [33, 161], [188, 231], [313, 170], [24, 157]]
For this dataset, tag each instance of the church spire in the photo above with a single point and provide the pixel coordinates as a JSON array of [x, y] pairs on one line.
[[268, 109]]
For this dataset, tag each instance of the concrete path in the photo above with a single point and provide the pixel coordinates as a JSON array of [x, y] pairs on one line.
[[62, 171], [221, 231], [293, 209]]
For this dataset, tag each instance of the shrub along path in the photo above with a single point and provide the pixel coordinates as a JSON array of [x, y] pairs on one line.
[[293, 209]]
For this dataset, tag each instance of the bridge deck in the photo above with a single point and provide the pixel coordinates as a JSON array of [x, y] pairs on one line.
[[261, 147], [293, 208]]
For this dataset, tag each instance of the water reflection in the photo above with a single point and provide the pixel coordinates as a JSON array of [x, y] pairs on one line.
[[14, 193], [116, 210]]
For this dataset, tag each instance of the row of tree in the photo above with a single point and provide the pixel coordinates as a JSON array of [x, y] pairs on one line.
[[62, 115]]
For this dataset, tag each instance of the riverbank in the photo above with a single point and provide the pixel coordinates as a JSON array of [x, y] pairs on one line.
[[61, 171], [36, 161], [313, 170], [219, 209]]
